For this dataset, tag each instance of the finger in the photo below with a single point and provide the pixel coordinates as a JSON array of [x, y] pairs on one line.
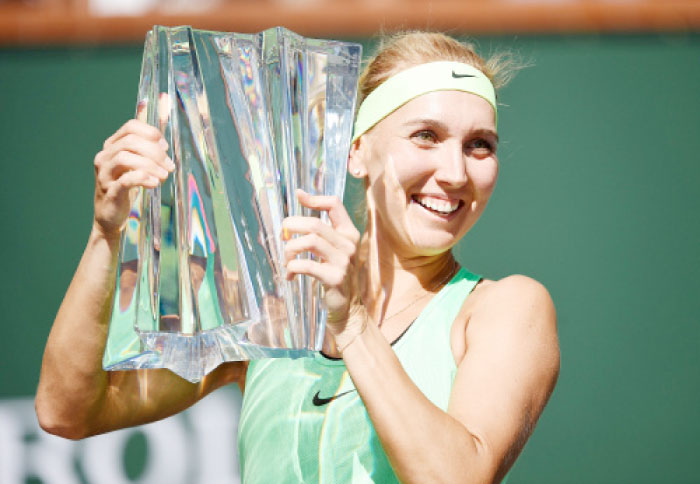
[[126, 161], [142, 111], [318, 246], [164, 107], [137, 127], [129, 180], [337, 213], [314, 225], [327, 274], [163, 110], [154, 150]]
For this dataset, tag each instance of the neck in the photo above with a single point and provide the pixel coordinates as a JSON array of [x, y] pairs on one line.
[[391, 280]]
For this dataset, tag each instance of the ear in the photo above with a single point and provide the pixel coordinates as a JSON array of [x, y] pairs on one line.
[[356, 158]]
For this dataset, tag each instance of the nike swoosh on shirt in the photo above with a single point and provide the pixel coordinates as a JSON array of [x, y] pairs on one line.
[[320, 401], [459, 76]]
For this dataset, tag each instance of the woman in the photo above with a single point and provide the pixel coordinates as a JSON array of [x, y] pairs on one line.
[[430, 373]]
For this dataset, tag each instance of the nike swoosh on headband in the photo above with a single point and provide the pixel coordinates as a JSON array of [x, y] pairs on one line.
[[320, 401], [415, 81], [459, 76]]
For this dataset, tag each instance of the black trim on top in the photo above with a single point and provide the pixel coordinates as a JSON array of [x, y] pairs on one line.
[[335, 358]]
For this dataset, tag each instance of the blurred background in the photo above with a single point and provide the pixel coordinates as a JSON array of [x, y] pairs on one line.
[[598, 199]]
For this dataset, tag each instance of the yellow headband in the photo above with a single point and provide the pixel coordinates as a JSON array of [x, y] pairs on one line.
[[416, 81]]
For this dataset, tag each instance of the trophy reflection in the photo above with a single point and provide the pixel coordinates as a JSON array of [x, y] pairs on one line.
[[249, 118]]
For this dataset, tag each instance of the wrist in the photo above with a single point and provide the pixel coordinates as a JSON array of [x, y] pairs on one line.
[[356, 325], [98, 233]]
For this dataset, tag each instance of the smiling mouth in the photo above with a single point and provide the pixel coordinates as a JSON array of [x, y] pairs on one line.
[[438, 206]]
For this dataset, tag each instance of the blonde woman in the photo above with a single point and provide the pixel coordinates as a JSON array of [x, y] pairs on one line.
[[429, 374]]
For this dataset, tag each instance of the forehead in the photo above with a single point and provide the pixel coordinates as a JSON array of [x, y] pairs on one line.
[[457, 109]]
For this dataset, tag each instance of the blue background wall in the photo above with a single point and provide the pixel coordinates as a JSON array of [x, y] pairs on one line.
[[598, 199]]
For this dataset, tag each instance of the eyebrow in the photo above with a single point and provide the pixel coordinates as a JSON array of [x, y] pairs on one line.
[[487, 132], [443, 127]]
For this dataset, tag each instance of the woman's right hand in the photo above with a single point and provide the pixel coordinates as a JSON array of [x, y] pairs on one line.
[[134, 156], [76, 397]]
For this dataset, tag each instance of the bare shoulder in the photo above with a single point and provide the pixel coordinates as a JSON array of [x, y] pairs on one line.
[[516, 310], [496, 308], [522, 298], [515, 306], [510, 360]]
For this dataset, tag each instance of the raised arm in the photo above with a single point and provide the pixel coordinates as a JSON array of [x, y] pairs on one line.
[[76, 397]]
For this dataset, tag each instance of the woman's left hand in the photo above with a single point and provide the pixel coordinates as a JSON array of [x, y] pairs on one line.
[[336, 267]]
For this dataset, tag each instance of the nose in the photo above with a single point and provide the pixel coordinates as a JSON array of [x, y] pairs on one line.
[[452, 166]]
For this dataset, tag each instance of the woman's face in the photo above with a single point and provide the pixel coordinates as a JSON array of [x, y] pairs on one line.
[[431, 167]]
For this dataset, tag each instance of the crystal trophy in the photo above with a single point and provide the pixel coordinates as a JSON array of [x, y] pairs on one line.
[[249, 118]]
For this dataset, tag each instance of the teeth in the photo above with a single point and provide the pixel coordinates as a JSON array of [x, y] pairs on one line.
[[437, 204]]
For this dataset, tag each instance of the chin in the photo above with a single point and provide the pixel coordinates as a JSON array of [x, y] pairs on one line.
[[428, 243], [434, 240]]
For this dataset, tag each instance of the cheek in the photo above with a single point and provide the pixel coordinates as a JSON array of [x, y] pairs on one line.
[[406, 172], [484, 179], [400, 173]]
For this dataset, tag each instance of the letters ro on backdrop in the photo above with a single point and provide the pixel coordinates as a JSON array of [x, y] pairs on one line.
[[197, 446]]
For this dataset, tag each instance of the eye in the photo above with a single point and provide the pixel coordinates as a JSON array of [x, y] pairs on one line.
[[425, 136], [480, 147]]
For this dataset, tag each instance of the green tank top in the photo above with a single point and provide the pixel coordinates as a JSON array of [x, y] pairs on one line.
[[303, 421]]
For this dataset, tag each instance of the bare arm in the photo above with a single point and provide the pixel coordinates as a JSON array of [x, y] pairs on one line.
[[502, 385], [76, 398]]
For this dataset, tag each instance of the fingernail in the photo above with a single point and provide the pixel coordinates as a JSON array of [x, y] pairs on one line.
[[170, 164]]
